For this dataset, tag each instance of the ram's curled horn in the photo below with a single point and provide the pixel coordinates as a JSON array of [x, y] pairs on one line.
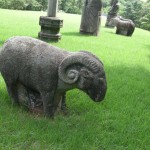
[[90, 54], [69, 74]]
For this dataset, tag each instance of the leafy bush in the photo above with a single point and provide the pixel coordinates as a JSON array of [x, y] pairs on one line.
[[71, 6], [145, 19], [21, 4], [17, 4], [32, 5]]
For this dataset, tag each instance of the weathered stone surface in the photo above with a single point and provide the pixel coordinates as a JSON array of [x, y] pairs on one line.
[[112, 13], [43, 72], [50, 27], [53, 22], [123, 26], [52, 8], [32, 100], [90, 21]]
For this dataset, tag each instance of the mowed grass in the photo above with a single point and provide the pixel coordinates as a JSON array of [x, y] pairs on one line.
[[120, 122]]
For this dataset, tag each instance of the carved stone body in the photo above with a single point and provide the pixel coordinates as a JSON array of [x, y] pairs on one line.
[[123, 26], [49, 71], [90, 21]]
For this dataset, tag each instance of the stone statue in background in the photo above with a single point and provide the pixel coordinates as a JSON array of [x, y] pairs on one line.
[[40, 74], [90, 21], [123, 26], [50, 24], [112, 13]]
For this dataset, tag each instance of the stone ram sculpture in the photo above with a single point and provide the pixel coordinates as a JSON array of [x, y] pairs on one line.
[[49, 71], [123, 26]]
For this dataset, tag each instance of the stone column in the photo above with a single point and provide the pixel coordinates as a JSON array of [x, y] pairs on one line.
[[50, 24], [113, 12], [91, 17], [52, 8]]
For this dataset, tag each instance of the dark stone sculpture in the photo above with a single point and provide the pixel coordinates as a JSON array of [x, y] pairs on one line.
[[123, 26], [90, 21], [112, 13], [40, 74]]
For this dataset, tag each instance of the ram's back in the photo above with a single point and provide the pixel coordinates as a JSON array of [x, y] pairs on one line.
[[30, 60]]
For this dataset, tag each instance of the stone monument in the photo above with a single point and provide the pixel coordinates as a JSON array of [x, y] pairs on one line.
[[50, 24], [91, 17], [112, 13], [39, 74]]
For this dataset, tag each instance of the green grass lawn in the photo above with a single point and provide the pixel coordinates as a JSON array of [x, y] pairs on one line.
[[120, 122]]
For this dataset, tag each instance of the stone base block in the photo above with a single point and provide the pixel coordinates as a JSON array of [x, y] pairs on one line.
[[51, 37], [50, 27]]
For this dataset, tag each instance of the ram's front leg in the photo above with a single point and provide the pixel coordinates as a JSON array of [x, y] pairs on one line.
[[48, 106], [63, 104]]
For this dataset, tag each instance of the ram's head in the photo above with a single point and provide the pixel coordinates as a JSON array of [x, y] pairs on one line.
[[84, 71]]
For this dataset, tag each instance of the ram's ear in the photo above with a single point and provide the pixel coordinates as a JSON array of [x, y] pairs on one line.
[[86, 73]]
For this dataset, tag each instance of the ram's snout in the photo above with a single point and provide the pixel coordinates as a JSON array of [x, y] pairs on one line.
[[98, 92], [99, 97], [103, 88]]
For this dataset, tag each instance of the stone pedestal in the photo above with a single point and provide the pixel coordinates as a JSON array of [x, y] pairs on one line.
[[50, 27]]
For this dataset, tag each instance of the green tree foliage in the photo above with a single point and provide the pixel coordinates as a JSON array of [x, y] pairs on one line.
[[145, 19], [17, 4], [138, 11], [71, 6], [5, 4], [106, 6], [133, 10], [43, 4], [21, 4], [32, 5]]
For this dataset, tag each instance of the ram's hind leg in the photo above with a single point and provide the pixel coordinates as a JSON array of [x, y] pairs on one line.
[[13, 92]]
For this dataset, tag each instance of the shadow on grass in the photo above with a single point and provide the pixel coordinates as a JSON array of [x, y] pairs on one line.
[[122, 76], [75, 34], [71, 33], [112, 32]]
